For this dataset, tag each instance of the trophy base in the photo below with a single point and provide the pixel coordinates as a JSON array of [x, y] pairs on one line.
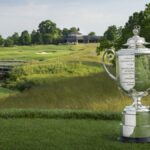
[[136, 140], [135, 126]]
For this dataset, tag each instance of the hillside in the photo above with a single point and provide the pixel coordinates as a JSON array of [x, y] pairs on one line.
[[63, 76]]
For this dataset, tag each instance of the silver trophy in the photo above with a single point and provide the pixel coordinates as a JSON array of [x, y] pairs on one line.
[[133, 77]]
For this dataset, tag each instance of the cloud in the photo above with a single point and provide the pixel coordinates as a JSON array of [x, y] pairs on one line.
[[95, 15]]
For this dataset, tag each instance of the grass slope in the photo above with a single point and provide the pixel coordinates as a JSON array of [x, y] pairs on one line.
[[88, 92], [45, 134], [5, 92], [69, 78]]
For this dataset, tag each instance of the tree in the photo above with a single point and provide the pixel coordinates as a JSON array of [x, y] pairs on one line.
[[15, 38], [112, 33], [36, 37], [1, 41], [135, 19], [74, 30], [110, 38], [25, 38], [48, 29], [57, 35], [104, 44], [92, 34], [141, 18], [145, 24], [47, 38], [33, 37], [8, 42], [65, 32]]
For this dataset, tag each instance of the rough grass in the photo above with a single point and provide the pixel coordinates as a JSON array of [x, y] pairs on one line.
[[73, 106], [60, 134], [87, 92], [5, 92], [58, 114], [72, 79]]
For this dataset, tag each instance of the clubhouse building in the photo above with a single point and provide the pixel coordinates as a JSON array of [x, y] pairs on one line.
[[77, 37]]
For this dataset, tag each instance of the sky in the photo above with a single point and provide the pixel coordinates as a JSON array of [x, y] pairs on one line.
[[88, 15]]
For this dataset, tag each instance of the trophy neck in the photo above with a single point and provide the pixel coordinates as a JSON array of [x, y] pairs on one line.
[[137, 96], [136, 106], [137, 102]]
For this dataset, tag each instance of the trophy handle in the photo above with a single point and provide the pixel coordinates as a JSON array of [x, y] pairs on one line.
[[110, 56]]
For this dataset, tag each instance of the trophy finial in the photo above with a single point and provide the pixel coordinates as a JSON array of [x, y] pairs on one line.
[[136, 41], [136, 30]]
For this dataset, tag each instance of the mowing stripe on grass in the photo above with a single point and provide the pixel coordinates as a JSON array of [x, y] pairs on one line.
[[55, 113]]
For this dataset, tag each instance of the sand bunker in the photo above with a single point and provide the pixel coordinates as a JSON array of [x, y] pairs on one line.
[[43, 53]]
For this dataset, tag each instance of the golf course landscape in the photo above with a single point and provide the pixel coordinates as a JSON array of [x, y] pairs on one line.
[[60, 99], [74, 75], [63, 76]]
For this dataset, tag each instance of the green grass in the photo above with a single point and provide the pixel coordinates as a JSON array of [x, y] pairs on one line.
[[87, 92], [58, 114], [30, 53], [71, 78], [34, 53], [64, 101], [5, 92], [54, 134]]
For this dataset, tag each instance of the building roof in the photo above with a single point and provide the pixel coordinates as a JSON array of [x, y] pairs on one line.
[[75, 34]]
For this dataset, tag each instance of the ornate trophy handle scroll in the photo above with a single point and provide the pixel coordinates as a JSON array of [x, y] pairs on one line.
[[110, 56]]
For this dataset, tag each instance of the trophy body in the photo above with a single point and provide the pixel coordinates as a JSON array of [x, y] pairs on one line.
[[133, 77]]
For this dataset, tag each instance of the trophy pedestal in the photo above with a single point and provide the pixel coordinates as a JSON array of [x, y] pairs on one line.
[[135, 126]]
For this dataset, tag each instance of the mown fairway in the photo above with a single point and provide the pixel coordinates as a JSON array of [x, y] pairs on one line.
[[43, 52], [52, 134]]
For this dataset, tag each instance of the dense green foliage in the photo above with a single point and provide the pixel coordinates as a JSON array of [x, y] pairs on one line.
[[92, 34], [74, 29], [47, 33], [110, 38], [1, 41], [141, 18], [116, 37], [66, 32], [25, 38], [15, 38], [36, 37], [9, 42]]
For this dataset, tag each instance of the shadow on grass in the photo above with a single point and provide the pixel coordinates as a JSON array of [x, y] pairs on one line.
[[88, 63], [112, 137], [72, 93]]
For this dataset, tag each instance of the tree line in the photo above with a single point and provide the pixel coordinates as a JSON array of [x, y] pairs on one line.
[[115, 37], [47, 33]]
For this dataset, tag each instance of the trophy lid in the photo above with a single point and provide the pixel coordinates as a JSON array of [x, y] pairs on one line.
[[136, 44], [136, 41]]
